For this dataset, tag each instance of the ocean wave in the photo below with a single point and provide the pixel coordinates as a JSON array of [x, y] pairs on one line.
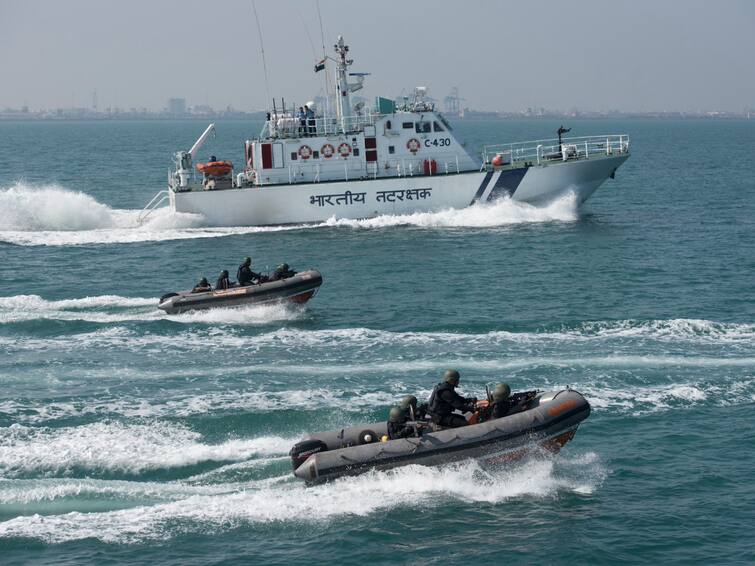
[[610, 395], [114, 308], [361, 496], [114, 447]]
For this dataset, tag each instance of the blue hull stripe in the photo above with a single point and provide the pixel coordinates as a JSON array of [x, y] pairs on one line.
[[507, 183], [483, 186]]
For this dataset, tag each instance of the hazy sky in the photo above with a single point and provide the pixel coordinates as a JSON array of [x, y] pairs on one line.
[[588, 54]]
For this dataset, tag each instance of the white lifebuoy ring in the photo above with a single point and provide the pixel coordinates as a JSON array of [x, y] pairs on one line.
[[305, 152], [413, 145], [344, 150], [327, 151]]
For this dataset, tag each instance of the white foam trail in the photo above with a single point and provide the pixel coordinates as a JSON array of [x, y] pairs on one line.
[[410, 486], [27, 492], [120, 448], [502, 212], [50, 207], [113, 308], [51, 215]]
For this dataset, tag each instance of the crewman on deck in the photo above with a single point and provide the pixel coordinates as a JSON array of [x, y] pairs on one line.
[[311, 124], [505, 403], [413, 412], [202, 287], [283, 271], [397, 425], [301, 115], [501, 404], [223, 281], [444, 401], [245, 275]]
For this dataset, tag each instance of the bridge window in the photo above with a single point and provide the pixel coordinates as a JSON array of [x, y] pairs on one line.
[[315, 154], [423, 127], [437, 127], [294, 157], [407, 125], [391, 149], [356, 152]]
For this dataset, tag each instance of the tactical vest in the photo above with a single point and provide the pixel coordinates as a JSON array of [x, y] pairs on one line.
[[436, 406]]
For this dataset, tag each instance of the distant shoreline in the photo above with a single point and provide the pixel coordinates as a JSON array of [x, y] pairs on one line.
[[500, 118]]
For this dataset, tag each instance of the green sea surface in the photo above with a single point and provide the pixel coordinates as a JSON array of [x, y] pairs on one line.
[[127, 435]]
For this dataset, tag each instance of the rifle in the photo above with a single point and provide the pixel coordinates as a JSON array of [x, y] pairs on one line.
[[414, 421]]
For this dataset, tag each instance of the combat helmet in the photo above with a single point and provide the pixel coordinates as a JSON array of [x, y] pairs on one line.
[[451, 376], [396, 415], [408, 401], [501, 392]]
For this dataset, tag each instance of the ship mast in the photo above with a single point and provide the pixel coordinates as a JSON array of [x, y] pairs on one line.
[[343, 87]]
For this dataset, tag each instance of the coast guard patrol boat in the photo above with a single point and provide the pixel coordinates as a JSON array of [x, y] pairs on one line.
[[390, 159]]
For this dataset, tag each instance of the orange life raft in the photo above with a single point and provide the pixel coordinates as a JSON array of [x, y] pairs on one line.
[[215, 168]]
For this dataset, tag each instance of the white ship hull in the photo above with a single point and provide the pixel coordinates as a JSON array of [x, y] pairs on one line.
[[317, 202]]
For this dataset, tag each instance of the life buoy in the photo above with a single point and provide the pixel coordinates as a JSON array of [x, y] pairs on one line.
[[344, 150], [413, 145], [327, 151], [305, 152]]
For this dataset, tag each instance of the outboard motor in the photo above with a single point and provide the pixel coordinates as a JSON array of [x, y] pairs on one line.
[[304, 449]]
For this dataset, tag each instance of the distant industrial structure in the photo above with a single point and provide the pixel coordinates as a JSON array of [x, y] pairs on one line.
[[176, 106], [453, 104]]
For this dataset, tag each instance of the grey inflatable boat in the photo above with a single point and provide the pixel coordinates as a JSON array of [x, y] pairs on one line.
[[548, 422], [298, 288]]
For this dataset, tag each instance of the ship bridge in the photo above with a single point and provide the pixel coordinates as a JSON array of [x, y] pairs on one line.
[[382, 141]]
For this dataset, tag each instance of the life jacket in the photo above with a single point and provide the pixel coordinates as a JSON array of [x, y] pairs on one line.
[[436, 406]]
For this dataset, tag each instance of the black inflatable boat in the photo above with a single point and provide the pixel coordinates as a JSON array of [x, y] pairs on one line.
[[298, 288], [549, 421]]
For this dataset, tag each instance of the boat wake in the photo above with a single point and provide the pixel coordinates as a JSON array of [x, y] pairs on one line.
[[202, 508], [51, 215], [120, 449], [503, 212], [114, 309]]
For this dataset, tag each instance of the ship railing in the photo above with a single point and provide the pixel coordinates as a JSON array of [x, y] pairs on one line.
[[289, 126], [156, 202], [349, 170], [539, 151]]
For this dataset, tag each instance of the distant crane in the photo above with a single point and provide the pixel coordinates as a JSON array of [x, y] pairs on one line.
[[452, 103]]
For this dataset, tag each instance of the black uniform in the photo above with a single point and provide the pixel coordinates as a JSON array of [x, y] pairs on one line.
[[514, 404], [443, 401], [500, 408], [222, 283], [282, 274], [399, 430], [201, 288], [246, 276]]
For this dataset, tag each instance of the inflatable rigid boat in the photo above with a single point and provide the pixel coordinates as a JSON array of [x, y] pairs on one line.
[[548, 422], [298, 288]]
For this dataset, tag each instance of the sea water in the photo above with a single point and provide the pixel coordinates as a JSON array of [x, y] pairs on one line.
[[130, 435]]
